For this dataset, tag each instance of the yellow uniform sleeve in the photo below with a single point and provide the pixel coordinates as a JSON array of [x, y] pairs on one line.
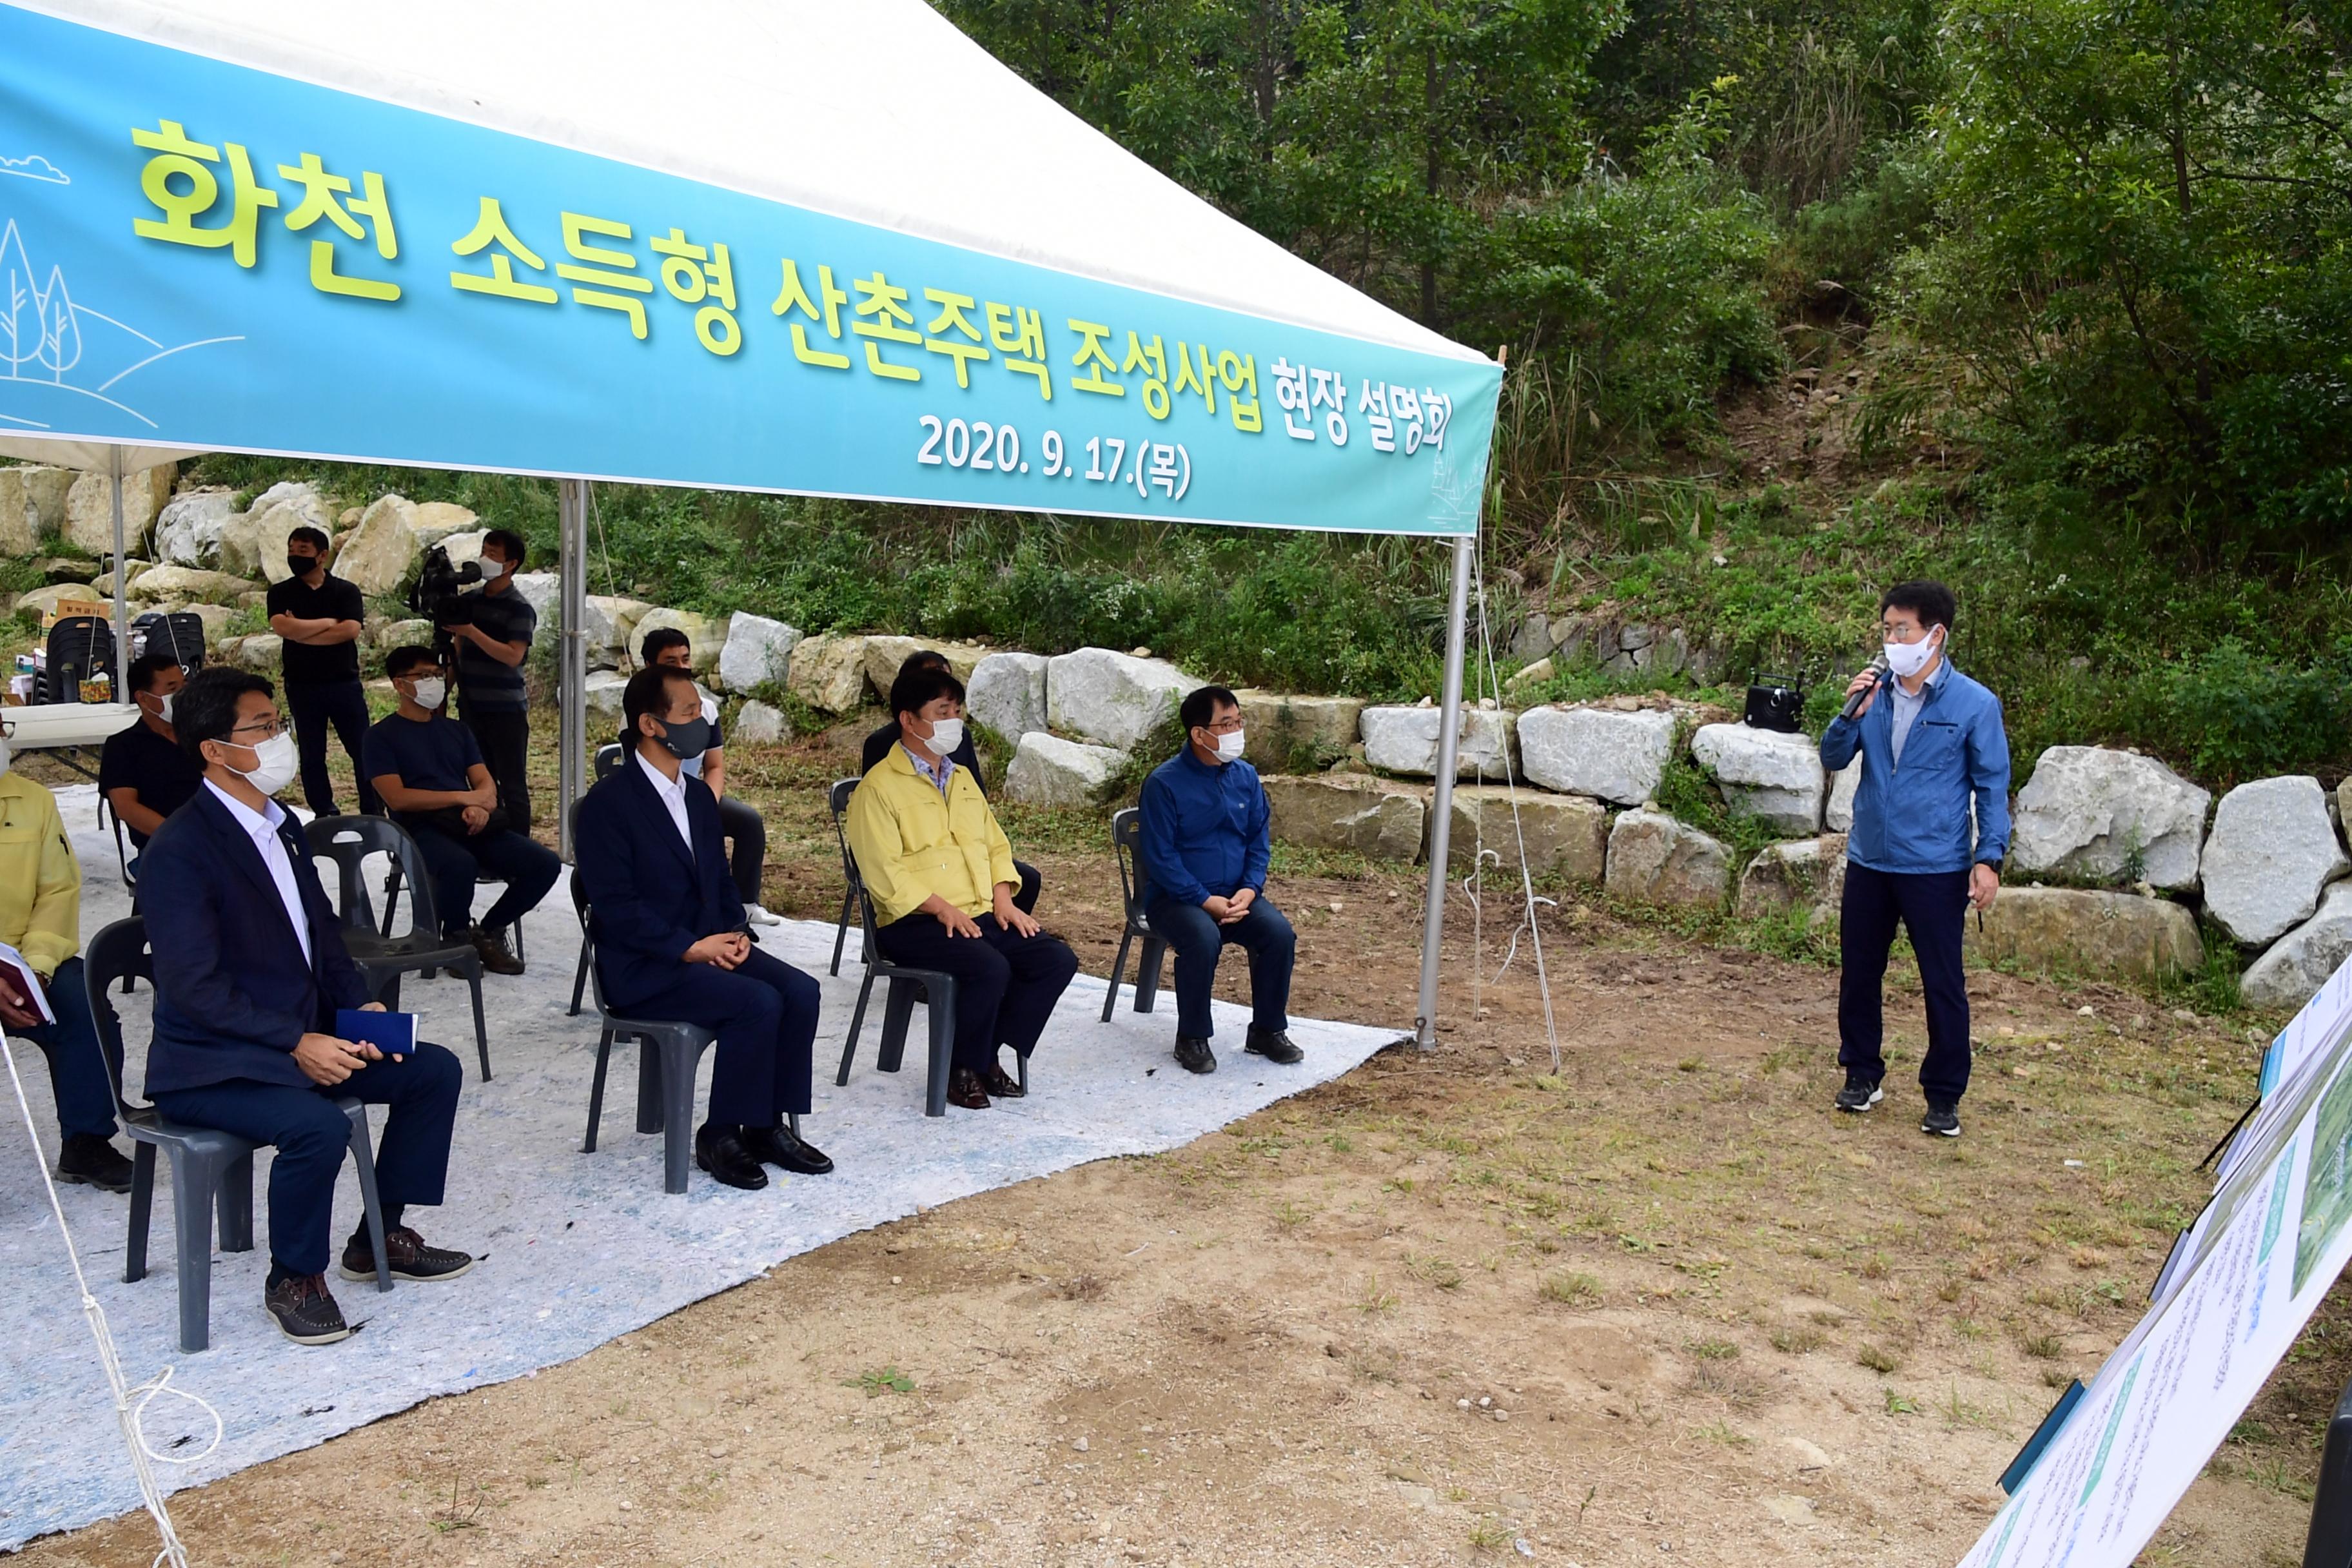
[[53, 932], [879, 850]]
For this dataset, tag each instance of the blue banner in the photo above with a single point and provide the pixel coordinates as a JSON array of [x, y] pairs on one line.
[[197, 253]]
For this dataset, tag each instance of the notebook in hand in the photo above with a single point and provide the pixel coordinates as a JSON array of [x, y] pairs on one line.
[[393, 1034], [17, 974]]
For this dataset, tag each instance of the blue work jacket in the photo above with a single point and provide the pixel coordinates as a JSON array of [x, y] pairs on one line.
[[1205, 830], [1913, 816]]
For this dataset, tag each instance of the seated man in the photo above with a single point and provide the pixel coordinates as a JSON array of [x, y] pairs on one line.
[[738, 820], [429, 770], [670, 942], [249, 970], [40, 917], [143, 772], [939, 873], [1205, 847], [878, 745]]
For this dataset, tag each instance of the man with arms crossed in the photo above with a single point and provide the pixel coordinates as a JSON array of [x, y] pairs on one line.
[[319, 616]]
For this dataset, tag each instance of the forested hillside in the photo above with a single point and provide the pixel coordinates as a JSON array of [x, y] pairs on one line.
[[2052, 298]]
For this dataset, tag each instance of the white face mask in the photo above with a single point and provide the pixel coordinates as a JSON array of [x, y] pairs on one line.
[[275, 763], [1908, 659], [163, 705], [1229, 747], [432, 691], [493, 570], [947, 734]]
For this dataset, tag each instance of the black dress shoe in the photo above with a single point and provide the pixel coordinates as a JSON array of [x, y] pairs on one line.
[[304, 1311], [721, 1152], [782, 1146], [92, 1160], [1274, 1045], [1002, 1084], [1195, 1055], [966, 1092]]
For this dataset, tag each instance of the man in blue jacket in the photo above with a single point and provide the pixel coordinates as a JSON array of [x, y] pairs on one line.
[[671, 940], [1932, 744], [250, 969], [1205, 847]]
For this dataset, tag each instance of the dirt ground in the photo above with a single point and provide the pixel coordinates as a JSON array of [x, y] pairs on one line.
[[1662, 1305]]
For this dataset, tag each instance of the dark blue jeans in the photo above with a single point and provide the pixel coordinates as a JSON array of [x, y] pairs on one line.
[[1932, 907], [529, 867], [1199, 942], [345, 706], [1006, 983], [764, 1013], [411, 1157], [77, 1071]]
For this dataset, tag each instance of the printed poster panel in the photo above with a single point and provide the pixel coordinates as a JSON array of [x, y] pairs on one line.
[[196, 253]]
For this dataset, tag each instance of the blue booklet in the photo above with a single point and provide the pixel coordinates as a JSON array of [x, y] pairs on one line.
[[393, 1034]]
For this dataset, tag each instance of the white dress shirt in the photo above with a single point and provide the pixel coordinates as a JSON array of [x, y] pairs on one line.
[[262, 827], [672, 796]]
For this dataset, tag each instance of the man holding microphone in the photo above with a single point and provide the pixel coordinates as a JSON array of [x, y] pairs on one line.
[[1931, 742]]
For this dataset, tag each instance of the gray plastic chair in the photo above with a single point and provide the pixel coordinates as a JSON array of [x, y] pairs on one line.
[[348, 841], [1126, 832], [939, 988], [212, 1172]]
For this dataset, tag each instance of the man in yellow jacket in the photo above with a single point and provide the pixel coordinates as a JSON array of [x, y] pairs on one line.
[[40, 917], [940, 872]]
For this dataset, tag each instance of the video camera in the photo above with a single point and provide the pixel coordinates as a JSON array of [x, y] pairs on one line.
[[438, 596]]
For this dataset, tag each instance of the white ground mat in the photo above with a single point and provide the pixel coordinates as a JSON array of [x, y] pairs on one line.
[[577, 1248]]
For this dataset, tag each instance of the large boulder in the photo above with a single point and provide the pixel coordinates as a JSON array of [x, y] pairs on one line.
[[2272, 850], [188, 530], [1112, 699], [542, 591], [466, 545], [1837, 815], [413, 632], [1007, 692], [609, 622], [381, 551], [2108, 817], [1606, 752], [1560, 832], [185, 584], [132, 571], [2122, 935], [2297, 964], [259, 652], [435, 521], [1348, 812], [18, 533], [1287, 734], [1806, 874], [828, 673], [1049, 770], [884, 654], [46, 600], [253, 542], [1404, 741], [1769, 775], [757, 652], [758, 725], [90, 508], [46, 491], [1654, 860], [600, 694]]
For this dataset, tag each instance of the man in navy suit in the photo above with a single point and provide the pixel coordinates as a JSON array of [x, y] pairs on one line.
[[250, 969], [670, 942]]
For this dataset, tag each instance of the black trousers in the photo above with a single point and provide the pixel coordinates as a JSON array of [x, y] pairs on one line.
[[1932, 907], [504, 735], [529, 868], [412, 1160], [1006, 983], [344, 705], [739, 821], [764, 1013]]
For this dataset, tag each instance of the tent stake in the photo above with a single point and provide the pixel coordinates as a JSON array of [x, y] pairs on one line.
[[1441, 825], [571, 673]]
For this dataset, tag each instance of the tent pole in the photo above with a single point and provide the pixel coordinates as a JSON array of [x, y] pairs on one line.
[[122, 610], [1440, 822], [572, 675]]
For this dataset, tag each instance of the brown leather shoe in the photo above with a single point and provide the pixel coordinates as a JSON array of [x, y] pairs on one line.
[[496, 956], [965, 1091], [1002, 1084]]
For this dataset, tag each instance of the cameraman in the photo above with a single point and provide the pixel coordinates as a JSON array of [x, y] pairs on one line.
[[491, 635], [1931, 742]]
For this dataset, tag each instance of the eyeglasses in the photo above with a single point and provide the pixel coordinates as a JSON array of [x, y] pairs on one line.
[[268, 731], [1225, 726], [1903, 634]]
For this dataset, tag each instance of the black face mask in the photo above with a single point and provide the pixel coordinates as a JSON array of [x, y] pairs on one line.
[[686, 741], [300, 564]]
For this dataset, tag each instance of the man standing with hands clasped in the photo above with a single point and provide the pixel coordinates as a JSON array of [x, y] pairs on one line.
[[1932, 744]]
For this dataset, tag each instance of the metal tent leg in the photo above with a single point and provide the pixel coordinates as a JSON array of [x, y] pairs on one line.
[[1441, 824]]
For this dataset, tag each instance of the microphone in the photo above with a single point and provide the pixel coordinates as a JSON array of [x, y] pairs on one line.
[[1877, 667]]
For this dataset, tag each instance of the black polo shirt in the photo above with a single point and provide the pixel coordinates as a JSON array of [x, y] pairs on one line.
[[484, 684], [139, 759], [333, 599]]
